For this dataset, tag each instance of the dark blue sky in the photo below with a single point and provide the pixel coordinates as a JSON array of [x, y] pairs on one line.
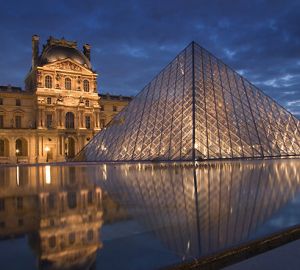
[[133, 40]]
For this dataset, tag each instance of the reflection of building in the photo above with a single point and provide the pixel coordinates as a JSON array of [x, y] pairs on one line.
[[60, 109], [59, 209]]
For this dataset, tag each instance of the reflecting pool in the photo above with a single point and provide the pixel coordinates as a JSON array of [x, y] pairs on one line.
[[140, 216]]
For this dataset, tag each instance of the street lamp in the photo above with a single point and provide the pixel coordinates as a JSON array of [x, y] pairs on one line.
[[17, 154], [47, 149]]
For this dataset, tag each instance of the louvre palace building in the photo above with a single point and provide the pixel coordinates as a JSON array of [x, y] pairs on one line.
[[59, 110]]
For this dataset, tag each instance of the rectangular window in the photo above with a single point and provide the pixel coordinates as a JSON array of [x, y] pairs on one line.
[[49, 121], [114, 108], [1, 121], [19, 203], [18, 102], [20, 222], [1, 101], [88, 122], [49, 100], [102, 123], [18, 121], [2, 204]]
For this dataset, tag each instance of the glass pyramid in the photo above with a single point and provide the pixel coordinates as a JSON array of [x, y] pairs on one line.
[[197, 108]]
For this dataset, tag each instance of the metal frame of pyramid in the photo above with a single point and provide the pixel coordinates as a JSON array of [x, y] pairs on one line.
[[197, 108]]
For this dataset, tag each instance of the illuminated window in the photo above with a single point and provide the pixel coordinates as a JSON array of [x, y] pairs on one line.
[[49, 100], [68, 83], [88, 122], [87, 103], [21, 147], [48, 81], [18, 102], [18, 122], [86, 86]]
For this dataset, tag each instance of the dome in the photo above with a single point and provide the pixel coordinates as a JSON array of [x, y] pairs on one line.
[[56, 53]]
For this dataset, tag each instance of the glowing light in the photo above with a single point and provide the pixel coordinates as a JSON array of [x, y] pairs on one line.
[[48, 174], [104, 172], [47, 149]]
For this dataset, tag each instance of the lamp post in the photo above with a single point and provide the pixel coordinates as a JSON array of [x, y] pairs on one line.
[[17, 154], [47, 149]]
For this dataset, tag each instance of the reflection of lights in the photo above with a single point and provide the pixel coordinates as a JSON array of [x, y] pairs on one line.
[[104, 172], [18, 176], [48, 174]]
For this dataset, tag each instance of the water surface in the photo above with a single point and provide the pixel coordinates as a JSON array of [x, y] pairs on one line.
[[140, 216]]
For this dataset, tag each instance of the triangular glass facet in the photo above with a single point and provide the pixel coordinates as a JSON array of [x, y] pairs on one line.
[[197, 108]]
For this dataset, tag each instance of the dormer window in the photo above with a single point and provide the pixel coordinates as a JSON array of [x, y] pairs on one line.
[[68, 83], [48, 81], [86, 86]]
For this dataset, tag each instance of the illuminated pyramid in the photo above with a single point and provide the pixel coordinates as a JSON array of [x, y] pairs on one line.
[[197, 108]]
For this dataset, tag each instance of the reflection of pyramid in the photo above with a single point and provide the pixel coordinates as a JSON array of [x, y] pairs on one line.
[[196, 211], [197, 108]]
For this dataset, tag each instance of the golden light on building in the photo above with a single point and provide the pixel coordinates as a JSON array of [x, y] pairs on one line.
[[59, 110], [48, 174]]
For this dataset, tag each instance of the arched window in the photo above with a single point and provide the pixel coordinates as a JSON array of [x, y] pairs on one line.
[[69, 120], [86, 86], [68, 83], [48, 81], [21, 147]]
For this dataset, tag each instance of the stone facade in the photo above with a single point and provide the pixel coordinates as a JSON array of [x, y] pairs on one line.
[[60, 109]]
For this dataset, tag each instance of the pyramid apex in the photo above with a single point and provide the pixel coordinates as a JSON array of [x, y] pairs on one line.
[[197, 108]]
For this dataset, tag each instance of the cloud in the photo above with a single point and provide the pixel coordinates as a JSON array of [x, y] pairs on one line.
[[133, 40]]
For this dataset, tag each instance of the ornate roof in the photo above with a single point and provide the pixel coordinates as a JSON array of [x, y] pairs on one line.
[[59, 49]]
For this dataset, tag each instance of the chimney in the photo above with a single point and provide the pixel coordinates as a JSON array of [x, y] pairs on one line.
[[35, 49], [87, 51]]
